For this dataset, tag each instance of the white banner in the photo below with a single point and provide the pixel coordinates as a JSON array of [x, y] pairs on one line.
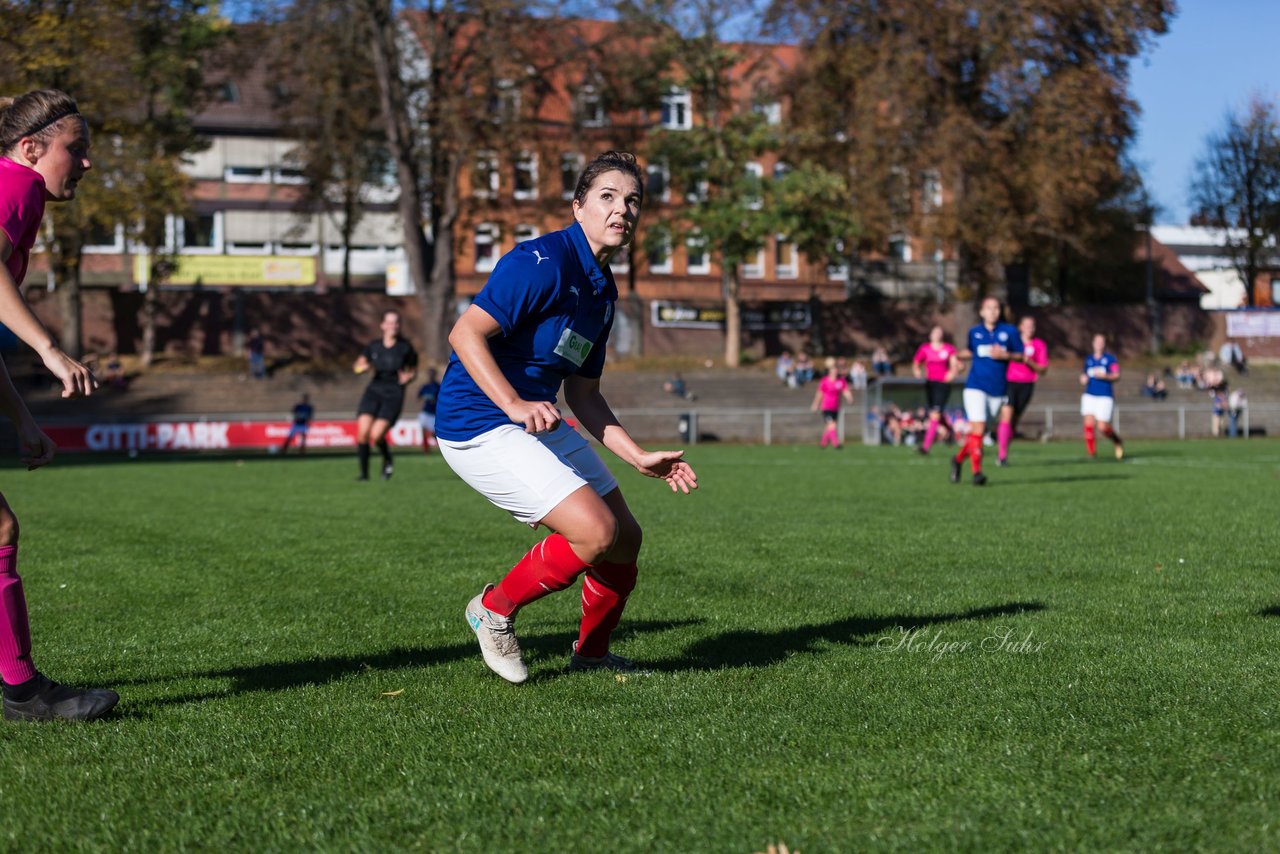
[[1253, 324]]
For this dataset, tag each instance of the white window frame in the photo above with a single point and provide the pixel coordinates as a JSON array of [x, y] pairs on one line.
[[578, 162], [232, 174], [754, 269], [488, 159], [525, 232], [931, 190], [770, 109], [665, 266], [114, 248], [591, 112], [904, 254], [179, 230], [266, 247], [756, 169], [493, 232], [278, 176], [528, 161], [677, 110], [621, 262], [508, 102], [698, 243], [665, 173], [300, 249], [791, 269]]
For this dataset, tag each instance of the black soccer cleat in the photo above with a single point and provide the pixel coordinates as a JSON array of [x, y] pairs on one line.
[[1002, 463], [979, 479], [62, 703], [387, 471], [955, 471]]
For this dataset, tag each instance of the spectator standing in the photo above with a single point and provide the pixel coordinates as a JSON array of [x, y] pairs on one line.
[[256, 349], [44, 153], [1218, 411]]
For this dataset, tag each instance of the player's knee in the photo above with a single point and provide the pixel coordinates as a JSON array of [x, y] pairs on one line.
[[597, 538], [8, 527], [630, 536]]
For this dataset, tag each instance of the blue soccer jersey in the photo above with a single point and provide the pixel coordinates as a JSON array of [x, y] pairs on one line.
[[987, 374], [555, 308], [1096, 367]]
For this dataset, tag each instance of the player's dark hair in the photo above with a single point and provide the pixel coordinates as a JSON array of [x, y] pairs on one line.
[[36, 114], [610, 161]]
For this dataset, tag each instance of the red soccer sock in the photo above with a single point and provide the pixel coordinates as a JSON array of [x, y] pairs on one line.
[[1090, 439], [975, 453], [605, 589], [15, 634], [549, 566]]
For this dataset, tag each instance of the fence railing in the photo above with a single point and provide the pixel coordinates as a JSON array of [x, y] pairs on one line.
[[790, 425]]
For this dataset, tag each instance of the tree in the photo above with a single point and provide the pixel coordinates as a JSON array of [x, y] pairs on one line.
[[996, 130], [1236, 187]]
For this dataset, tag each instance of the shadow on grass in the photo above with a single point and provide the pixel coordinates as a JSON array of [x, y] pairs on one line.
[[1071, 478], [1273, 611], [762, 649], [285, 675]]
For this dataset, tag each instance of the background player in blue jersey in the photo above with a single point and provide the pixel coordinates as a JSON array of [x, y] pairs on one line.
[[428, 394], [541, 320], [992, 345], [394, 363], [1097, 404]]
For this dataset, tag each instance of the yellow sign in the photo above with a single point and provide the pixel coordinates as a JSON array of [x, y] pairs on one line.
[[251, 271]]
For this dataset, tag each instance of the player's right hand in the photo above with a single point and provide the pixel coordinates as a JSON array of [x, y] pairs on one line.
[[537, 416], [76, 379]]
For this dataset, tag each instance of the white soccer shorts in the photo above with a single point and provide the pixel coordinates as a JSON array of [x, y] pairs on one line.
[[1098, 406], [980, 406], [526, 474], [427, 421]]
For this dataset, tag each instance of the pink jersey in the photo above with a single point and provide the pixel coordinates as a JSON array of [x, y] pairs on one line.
[[21, 209], [937, 360], [1036, 352], [831, 390]]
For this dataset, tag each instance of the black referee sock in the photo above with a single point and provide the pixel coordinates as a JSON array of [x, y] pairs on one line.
[[386, 452], [362, 451]]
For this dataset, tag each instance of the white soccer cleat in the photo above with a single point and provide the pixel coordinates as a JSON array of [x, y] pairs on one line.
[[497, 637]]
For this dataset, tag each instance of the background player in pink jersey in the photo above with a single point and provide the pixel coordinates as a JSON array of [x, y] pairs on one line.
[[831, 389], [44, 152], [1022, 378], [936, 361]]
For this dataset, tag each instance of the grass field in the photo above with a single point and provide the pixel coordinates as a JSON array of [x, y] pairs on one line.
[[843, 651]]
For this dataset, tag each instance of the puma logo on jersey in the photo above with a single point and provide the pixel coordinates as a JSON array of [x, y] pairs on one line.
[[573, 289], [538, 254]]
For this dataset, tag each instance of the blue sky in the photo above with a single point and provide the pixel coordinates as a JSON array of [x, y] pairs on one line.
[[1216, 54]]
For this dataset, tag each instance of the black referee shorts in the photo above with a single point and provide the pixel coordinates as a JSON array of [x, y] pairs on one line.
[[382, 402]]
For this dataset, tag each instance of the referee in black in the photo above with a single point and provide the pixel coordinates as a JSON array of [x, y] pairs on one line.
[[394, 363]]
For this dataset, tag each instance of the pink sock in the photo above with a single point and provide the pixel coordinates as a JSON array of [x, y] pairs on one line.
[[1004, 435], [15, 634], [930, 434]]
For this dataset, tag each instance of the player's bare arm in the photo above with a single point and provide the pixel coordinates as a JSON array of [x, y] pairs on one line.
[[470, 340]]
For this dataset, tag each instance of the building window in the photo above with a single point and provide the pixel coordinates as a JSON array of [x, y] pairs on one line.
[[931, 190], [900, 248], [780, 170], [525, 233], [767, 107], [240, 247], [104, 239], [486, 247], [677, 110], [246, 175], [838, 268], [753, 267], [1275, 292], [484, 175], [504, 105], [659, 255], [570, 168], [754, 196], [591, 112], [621, 262], [785, 262], [229, 93], [657, 184], [200, 234], [526, 176], [288, 175], [697, 260]]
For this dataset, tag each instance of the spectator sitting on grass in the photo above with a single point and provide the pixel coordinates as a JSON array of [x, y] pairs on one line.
[[1154, 388]]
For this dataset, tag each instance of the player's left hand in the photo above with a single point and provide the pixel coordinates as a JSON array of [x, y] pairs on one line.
[[668, 466], [34, 447], [999, 352]]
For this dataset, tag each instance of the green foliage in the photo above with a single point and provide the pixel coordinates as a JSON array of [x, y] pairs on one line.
[[296, 671]]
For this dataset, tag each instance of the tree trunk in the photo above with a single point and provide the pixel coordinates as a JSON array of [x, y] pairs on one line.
[[732, 317], [419, 251], [69, 304], [437, 300]]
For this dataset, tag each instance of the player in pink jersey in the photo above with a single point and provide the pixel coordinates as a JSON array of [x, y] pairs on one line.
[[44, 152], [831, 389], [1022, 378], [936, 361]]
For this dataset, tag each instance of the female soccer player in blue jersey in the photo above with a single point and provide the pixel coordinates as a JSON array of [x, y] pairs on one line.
[[1097, 404], [992, 345], [542, 320]]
